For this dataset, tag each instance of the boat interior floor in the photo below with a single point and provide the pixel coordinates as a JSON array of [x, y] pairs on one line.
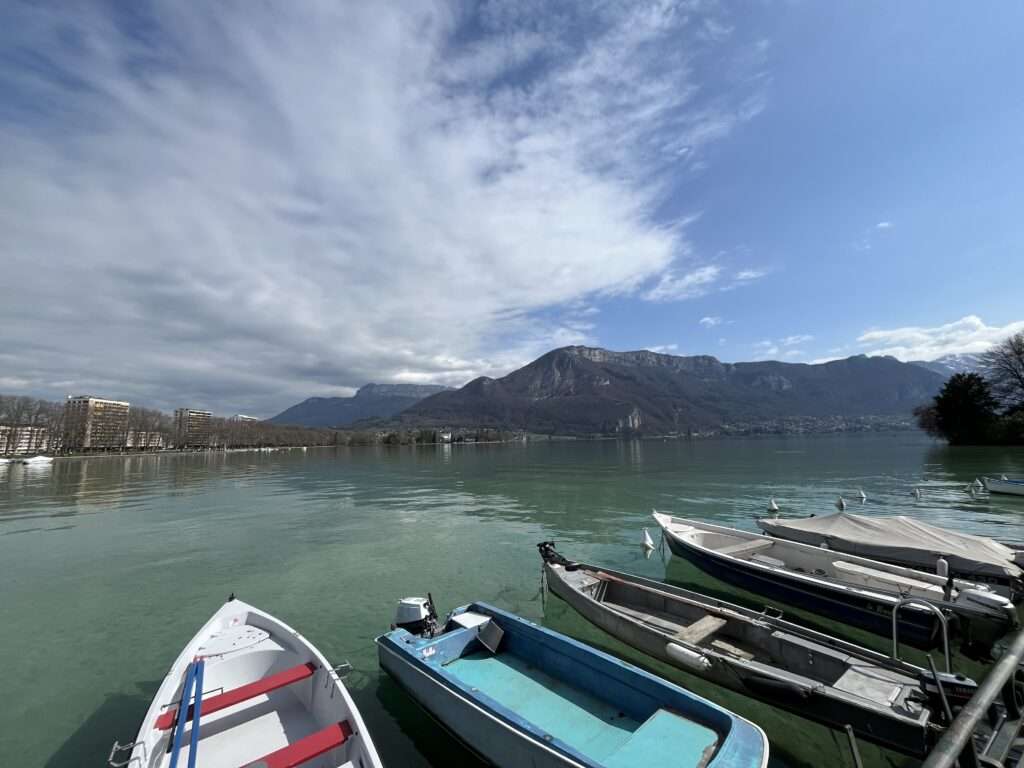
[[700, 632], [589, 725], [265, 724], [803, 661]]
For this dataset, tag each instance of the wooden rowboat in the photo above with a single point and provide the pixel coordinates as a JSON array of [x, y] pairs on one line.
[[831, 681]]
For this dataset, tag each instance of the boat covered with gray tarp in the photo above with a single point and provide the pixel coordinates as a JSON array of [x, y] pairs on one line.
[[887, 701], [904, 541]]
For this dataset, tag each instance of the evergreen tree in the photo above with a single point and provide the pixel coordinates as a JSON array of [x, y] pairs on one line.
[[965, 410]]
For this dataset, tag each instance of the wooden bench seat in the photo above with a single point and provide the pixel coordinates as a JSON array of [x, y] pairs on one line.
[[746, 547], [701, 629]]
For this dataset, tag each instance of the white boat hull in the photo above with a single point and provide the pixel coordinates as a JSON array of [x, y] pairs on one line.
[[242, 646], [1009, 487]]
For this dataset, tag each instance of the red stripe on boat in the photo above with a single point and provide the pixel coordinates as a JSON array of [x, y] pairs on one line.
[[306, 749], [242, 693]]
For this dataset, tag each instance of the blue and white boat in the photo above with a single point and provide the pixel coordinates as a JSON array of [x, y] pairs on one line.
[[840, 586], [1004, 485], [522, 695]]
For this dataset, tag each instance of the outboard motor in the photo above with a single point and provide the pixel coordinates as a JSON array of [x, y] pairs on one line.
[[958, 689], [416, 615], [551, 555]]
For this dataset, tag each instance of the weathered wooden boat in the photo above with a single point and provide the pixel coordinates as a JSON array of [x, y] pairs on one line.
[[1004, 485], [837, 683], [904, 541], [851, 589], [250, 691], [521, 695]]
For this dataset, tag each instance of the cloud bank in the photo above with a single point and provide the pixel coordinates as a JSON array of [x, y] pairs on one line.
[[236, 206], [967, 335]]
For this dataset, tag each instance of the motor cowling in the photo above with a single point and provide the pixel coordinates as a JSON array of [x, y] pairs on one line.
[[416, 615], [958, 689]]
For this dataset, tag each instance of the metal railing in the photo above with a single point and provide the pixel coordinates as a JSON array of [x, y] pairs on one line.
[[957, 745], [928, 606]]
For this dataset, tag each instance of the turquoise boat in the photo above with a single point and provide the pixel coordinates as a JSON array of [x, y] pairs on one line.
[[520, 694]]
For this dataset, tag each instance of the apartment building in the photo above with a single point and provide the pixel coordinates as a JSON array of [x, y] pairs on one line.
[[191, 428], [94, 423]]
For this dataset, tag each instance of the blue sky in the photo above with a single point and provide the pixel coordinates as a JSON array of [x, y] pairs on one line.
[[238, 207]]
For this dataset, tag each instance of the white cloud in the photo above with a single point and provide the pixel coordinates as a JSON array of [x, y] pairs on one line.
[[676, 287], [765, 349], [968, 334], [793, 353], [748, 275], [663, 348], [799, 338], [252, 205], [883, 225], [710, 321]]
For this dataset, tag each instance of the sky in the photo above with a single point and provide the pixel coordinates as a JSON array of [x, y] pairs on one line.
[[237, 206]]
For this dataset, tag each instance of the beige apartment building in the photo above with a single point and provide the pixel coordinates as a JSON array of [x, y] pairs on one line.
[[191, 428], [15, 440], [93, 423]]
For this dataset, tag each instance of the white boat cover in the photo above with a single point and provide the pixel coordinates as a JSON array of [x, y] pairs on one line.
[[898, 539]]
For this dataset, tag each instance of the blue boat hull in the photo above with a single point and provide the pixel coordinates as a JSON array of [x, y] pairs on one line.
[[581, 711], [916, 627]]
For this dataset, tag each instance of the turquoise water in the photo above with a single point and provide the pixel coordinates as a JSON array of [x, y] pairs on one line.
[[111, 564]]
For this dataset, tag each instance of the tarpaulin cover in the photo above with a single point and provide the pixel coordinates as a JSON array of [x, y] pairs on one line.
[[899, 539]]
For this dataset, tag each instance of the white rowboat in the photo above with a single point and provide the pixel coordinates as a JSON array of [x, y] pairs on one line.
[[263, 696]]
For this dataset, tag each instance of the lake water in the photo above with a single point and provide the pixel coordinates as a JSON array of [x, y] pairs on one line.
[[109, 565]]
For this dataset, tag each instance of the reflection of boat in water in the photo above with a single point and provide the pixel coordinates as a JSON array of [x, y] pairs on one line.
[[910, 543], [520, 694], [248, 690], [37, 461], [848, 588], [1004, 485], [831, 681]]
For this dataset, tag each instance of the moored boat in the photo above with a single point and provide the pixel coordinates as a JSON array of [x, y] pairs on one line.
[[249, 691], [843, 587], [907, 542], [1004, 485], [521, 695], [886, 701]]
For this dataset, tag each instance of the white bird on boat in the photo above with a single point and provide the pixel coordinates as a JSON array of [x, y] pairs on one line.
[[863, 496], [772, 506], [841, 504], [648, 542]]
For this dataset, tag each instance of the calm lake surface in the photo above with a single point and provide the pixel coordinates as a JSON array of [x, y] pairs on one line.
[[109, 565]]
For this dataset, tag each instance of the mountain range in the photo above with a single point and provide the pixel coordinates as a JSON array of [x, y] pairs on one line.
[[373, 401], [947, 365], [588, 390]]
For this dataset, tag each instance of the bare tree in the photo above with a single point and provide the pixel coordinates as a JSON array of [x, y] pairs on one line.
[[1004, 368]]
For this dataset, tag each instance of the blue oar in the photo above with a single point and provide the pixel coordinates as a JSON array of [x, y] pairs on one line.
[[193, 749], [190, 676]]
